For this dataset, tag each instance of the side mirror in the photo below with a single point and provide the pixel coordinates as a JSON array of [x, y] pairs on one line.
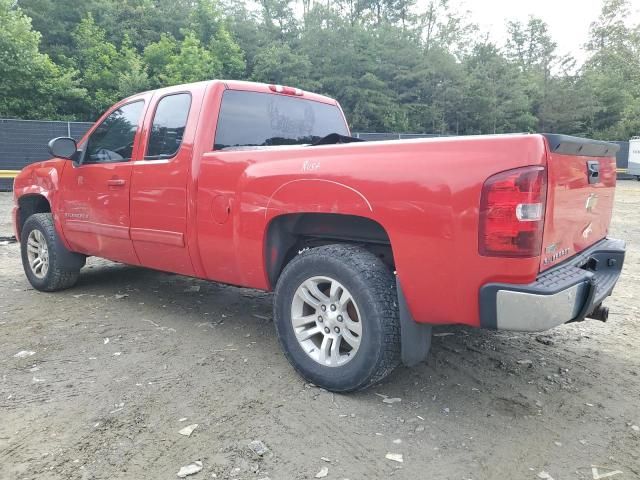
[[63, 147]]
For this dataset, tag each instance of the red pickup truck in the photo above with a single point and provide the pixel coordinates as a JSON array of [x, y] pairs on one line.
[[366, 245]]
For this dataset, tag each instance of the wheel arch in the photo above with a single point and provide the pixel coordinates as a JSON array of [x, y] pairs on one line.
[[30, 204], [287, 234], [311, 211]]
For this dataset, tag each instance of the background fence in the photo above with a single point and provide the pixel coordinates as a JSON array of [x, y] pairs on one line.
[[25, 141], [372, 137]]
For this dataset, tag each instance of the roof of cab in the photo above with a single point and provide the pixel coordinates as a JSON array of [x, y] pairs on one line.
[[264, 88], [235, 85]]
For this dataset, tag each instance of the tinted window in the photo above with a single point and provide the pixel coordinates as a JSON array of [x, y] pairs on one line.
[[262, 119], [168, 126], [112, 140]]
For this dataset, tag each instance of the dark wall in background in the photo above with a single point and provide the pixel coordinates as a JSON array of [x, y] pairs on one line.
[[25, 141], [622, 157]]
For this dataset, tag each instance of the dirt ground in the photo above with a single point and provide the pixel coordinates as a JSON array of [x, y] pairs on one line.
[[130, 356]]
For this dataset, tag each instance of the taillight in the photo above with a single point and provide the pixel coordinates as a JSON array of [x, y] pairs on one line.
[[512, 209], [286, 90]]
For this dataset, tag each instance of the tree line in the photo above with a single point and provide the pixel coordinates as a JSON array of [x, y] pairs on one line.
[[394, 66]]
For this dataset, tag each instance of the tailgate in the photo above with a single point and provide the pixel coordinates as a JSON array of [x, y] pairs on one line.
[[580, 189]]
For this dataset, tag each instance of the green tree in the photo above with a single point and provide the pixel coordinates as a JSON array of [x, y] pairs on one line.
[[142, 21], [32, 85], [399, 12], [531, 48], [210, 26], [567, 107], [611, 76], [356, 65], [497, 101], [372, 108], [279, 19], [192, 62], [229, 53], [245, 28], [172, 62], [133, 77], [278, 64], [442, 26], [395, 65], [530, 45], [157, 56], [107, 72], [56, 21]]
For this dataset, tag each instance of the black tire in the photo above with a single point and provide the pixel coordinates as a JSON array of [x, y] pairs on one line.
[[64, 266], [372, 286]]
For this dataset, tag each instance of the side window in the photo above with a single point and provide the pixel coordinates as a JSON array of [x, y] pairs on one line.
[[112, 140], [168, 126]]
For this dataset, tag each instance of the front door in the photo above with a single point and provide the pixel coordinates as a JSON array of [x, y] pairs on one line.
[[95, 194]]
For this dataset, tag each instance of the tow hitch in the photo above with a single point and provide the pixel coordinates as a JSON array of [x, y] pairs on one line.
[[600, 313]]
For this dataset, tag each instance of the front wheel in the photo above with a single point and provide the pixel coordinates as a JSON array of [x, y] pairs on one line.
[[49, 266], [336, 317]]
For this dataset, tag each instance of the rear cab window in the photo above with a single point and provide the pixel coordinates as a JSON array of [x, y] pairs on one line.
[[167, 128], [253, 119]]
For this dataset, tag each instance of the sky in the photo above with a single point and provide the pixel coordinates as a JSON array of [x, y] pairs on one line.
[[568, 20]]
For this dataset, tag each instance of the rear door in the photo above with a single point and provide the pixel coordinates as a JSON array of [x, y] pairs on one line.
[[160, 182], [581, 184], [95, 194]]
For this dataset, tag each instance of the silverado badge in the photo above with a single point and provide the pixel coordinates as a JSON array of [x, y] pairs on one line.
[[554, 253]]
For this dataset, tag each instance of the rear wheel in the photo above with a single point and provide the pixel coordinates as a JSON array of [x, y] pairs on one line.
[[49, 266], [336, 317]]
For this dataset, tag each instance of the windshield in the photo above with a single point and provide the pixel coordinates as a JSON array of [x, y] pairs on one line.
[[252, 119]]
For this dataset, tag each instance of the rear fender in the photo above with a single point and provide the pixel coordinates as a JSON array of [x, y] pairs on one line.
[[302, 196], [312, 195], [327, 196]]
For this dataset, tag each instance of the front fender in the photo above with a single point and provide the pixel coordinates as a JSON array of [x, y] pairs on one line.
[[41, 179]]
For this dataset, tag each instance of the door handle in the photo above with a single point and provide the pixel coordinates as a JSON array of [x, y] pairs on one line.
[[593, 171], [116, 182]]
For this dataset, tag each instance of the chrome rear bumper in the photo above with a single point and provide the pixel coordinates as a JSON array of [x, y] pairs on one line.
[[566, 293]]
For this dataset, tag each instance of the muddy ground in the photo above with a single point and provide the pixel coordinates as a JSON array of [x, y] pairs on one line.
[[126, 355]]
